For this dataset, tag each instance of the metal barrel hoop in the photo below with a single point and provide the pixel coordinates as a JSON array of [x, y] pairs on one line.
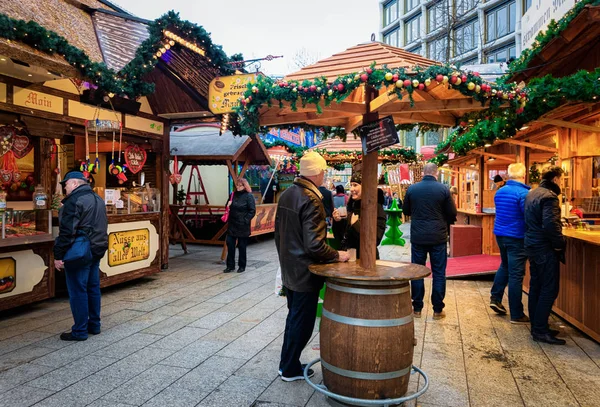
[[365, 402]]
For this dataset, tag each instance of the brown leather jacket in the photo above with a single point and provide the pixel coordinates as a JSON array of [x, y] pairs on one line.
[[300, 236]]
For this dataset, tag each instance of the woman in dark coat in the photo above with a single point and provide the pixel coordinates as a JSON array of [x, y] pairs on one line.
[[352, 237], [241, 211]]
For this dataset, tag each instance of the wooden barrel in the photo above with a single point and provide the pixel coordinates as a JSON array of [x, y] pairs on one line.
[[367, 338]]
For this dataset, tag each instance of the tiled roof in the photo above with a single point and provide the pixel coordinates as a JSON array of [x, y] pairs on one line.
[[359, 57]]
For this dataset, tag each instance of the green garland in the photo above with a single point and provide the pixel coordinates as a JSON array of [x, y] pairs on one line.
[[545, 94], [543, 38], [129, 80], [404, 155], [318, 92], [534, 174], [298, 151]]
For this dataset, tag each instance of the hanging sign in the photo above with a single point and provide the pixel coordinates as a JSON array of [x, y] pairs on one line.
[[135, 158], [37, 100], [224, 92], [128, 246], [379, 134]]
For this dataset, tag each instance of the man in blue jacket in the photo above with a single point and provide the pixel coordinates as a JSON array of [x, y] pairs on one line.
[[431, 209], [509, 229]]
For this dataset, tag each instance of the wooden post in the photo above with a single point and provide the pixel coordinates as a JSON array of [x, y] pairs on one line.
[[163, 158], [368, 205]]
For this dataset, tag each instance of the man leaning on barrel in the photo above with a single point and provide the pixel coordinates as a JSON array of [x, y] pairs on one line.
[[300, 237]]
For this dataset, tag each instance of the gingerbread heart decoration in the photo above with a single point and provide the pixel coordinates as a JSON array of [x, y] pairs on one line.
[[135, 158], [6, 176], [21, 146]]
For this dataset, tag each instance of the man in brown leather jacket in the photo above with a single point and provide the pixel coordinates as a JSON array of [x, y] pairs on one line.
[[300, 237]]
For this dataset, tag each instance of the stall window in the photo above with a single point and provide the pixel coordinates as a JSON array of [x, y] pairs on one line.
[[391, 38], [437, 16], [390, 12], [412, 29], [500, 21], [504, 54], [466, 37]]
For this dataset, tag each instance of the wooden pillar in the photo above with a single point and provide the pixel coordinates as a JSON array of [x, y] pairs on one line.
[[163, 162], [368, 205]]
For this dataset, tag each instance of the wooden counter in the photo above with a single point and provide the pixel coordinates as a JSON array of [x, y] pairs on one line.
[[486, 222], [29, 262], [578, 300]]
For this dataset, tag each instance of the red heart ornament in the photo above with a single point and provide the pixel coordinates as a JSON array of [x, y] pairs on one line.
[[135, 158], [6, 176], [21, 146]]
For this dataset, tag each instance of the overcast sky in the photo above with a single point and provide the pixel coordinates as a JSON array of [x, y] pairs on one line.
[[276, 27]]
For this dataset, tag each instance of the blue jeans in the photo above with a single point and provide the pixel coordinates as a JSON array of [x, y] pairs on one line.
[[544, 268], [83, 285], [438, 256], [511, 273], [299, 325]]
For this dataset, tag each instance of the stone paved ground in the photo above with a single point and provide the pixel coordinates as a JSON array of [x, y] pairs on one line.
[[193, 336]]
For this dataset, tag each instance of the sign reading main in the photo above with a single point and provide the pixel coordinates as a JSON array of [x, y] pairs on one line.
[[379, 134], [224, 92], [128, 246]]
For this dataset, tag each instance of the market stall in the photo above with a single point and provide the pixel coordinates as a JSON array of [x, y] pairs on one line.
[[195, 219]]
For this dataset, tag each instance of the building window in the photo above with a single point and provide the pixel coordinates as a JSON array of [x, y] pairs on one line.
[[504, 54], [464, 6], [412, 30], [390, 12], [416, 50], [470, 61], [391, 38], [500, 21], [526, 5], [438, 49], [466, 37], [410, 4], [437, 16]]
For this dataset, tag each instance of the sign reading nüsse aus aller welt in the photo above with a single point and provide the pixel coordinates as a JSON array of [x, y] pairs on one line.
[[379, 134]]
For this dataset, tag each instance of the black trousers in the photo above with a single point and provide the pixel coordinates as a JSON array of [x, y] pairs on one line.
[[299, 325], [543, 289], [242, 242]]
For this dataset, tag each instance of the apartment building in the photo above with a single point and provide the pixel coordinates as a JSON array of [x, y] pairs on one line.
[[460, 31]]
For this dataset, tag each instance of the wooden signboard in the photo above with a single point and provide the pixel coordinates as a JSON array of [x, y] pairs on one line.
[[128, 246], [224, 92], [264, 220], [378, 134]]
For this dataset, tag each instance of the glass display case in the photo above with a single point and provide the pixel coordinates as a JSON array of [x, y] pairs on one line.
[[132, 201], [24, 223]]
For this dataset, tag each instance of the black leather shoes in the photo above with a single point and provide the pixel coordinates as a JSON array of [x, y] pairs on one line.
[[241, 270], [548, 338], [227, 270], [68, 336], [554, 332]]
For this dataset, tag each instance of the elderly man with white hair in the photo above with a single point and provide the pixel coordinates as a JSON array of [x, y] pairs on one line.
[[509, 229]]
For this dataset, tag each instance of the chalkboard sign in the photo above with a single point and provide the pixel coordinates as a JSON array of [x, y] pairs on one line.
[[378, 135]]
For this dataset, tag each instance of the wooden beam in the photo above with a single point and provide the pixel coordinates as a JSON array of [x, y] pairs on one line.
[[530, 145], [570, 125], [346, 106], [382, 100], [231, 170], [271, 120], [432, 106], [442, 119], [496, 156], [352, 123]]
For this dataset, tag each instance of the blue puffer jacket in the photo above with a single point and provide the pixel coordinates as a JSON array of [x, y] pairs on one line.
[[510, 210]]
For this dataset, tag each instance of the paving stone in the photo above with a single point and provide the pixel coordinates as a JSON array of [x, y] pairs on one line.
[[209, 375], [128, 345], [230, 331], [20, 341], [145, 386], [67, 355], [235, 392], [65, 376], [169, 325], [13, 377], [262, 366], [447, 356], [213, 320], [296, 393], [446, 388], [177, 396], [181, 338], [23, 396], [135, 363], [442, 333], [22, 356], [120, 317], [194, 354], [90, 389]]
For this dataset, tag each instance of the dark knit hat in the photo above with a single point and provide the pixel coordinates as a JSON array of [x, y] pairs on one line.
[[356, 173]]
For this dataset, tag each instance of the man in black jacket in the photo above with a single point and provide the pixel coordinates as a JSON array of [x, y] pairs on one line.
[[83, 213], [544, 245], [300, 237], [431, 210]]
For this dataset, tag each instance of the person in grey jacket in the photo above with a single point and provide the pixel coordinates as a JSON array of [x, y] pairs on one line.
[[83, 214], [300, 237]]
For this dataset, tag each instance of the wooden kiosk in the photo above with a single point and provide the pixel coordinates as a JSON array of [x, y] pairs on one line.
[[351, 319]]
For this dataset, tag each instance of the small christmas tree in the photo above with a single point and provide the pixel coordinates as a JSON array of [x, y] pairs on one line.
[[393, 237]]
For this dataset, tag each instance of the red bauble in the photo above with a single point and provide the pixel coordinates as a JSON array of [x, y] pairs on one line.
[[463, 124], [395, 77], [364, 77], [340, 87], [313, 88], [463, 78], [475, 73], [439, 78], [406, 83], [300, 87], [369, 71], [281, 84], [421, 86], [453, 79], [499, 94], [249, 98]]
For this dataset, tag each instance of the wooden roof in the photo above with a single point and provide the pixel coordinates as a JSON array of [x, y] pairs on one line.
[[357, 58], [334, 145], [578, 42]]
